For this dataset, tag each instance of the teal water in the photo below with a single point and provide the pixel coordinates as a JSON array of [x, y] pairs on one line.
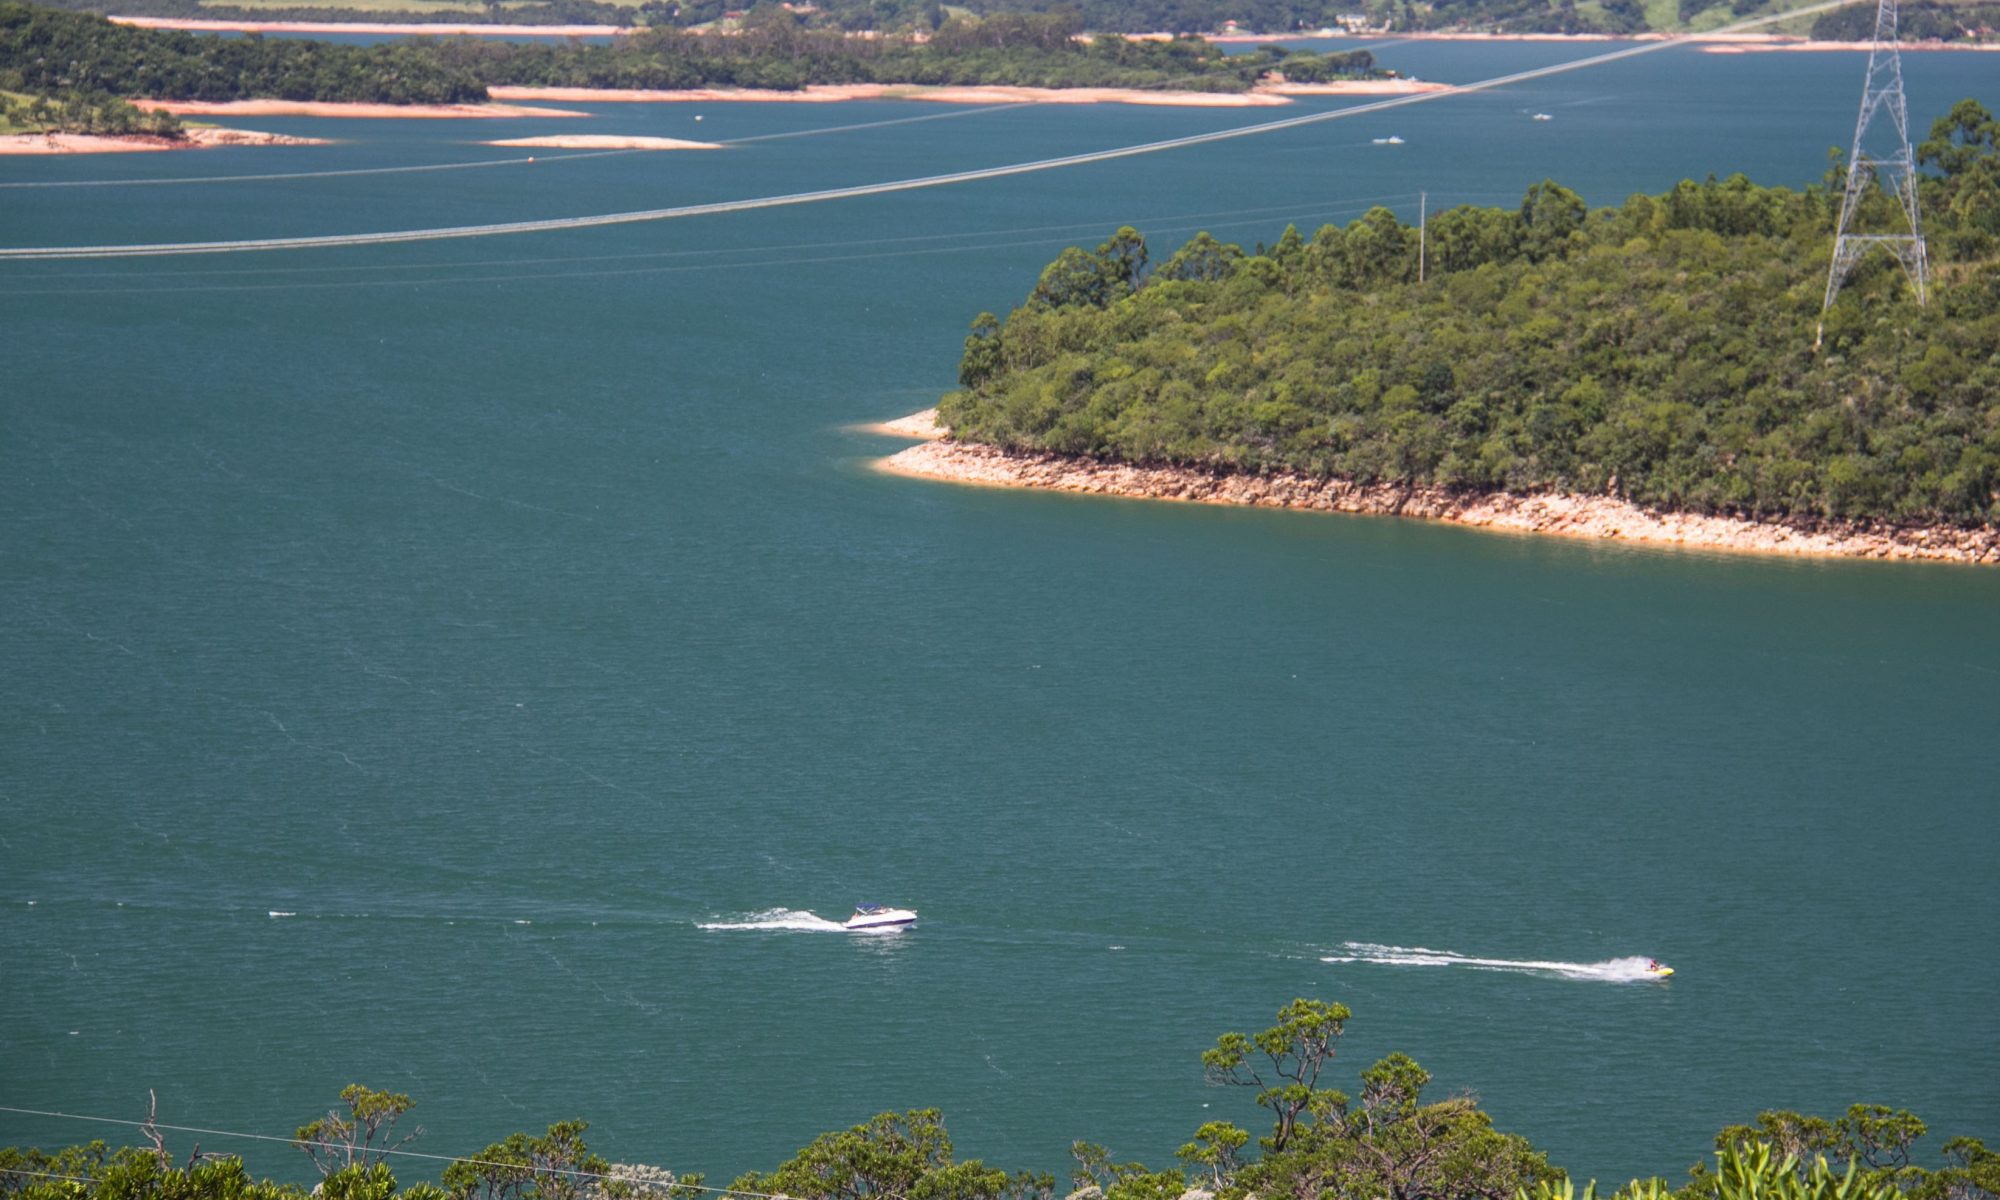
[[510, 611]]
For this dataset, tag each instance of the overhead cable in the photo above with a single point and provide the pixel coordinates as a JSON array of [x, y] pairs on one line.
[[164, 249]]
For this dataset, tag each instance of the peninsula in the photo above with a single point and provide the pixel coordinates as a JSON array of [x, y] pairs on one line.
[[1645, 372]]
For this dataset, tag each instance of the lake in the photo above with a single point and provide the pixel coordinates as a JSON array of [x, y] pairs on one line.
[[454, 667]]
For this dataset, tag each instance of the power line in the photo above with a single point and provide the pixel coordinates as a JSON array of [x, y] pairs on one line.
[[1332, 204], [1297, 211], [164, 249], [488, 162], [44, 1175]]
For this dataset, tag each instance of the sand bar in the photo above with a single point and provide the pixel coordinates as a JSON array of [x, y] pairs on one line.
[[332, 108], [194, 139], [403, 28], [606, 141], [1562, 515], [923, 425]]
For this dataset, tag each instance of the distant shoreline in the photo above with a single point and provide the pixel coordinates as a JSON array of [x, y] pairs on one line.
[[409, 28], [1715, 43], [1262, 96], [1602, 517], [347, 108]]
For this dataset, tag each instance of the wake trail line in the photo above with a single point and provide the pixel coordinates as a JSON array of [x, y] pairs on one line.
[[164, 249], [786, 919], [1616, 970]]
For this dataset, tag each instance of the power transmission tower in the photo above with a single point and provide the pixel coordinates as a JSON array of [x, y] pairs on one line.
[[1875, 157]]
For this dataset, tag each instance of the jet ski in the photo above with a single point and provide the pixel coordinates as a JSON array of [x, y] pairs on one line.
[[877, 916], [1658, 969]]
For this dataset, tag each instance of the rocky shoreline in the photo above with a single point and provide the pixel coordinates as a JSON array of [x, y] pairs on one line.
[[1558, 514]]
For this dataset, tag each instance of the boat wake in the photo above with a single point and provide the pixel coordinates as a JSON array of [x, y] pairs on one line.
[[1616, 970], [791, 919]]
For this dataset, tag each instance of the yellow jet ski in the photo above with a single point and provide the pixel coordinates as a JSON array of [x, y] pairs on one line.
[[1660, 969]]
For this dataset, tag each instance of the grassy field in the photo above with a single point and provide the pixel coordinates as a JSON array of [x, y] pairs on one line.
[[1665, 16], [7, 123]]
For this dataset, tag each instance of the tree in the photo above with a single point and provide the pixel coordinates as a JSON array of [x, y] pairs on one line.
[[1297, 1048], [1124, 259], [982, 351], [1202, 260], [1077, 278], [1973, 1173], [1096, 1176], [1550, 213], [337, 1141], [555, 1166], [1214, 1149], [1391, 1145], [907, 1157]]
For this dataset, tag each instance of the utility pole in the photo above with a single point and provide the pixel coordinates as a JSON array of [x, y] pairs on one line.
[[1423, 231], [1894, 164]]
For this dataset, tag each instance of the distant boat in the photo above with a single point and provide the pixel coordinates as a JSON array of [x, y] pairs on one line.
[[1391, 140], [877, 916], [1543, 117]]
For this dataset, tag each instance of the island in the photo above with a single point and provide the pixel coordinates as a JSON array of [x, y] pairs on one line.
[[1645, 372]]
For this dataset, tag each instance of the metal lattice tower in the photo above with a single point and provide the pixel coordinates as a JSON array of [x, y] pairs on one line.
[[1876, 156]]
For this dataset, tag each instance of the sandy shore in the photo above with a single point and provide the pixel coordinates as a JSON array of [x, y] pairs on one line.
[[1263, 96], [329, 108], [1560, 515], [406, 28], [195, 139], [917, 425], [606, 141]]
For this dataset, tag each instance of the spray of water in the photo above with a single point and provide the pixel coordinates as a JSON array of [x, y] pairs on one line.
[[1616, 970], [789, 919]]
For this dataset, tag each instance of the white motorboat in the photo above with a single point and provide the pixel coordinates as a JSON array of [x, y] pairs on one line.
[[878, 916], [1544, 117]]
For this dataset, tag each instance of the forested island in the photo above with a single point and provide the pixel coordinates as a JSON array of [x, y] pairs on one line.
[[81, 60], [1658, 355], [1389, 1139]]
